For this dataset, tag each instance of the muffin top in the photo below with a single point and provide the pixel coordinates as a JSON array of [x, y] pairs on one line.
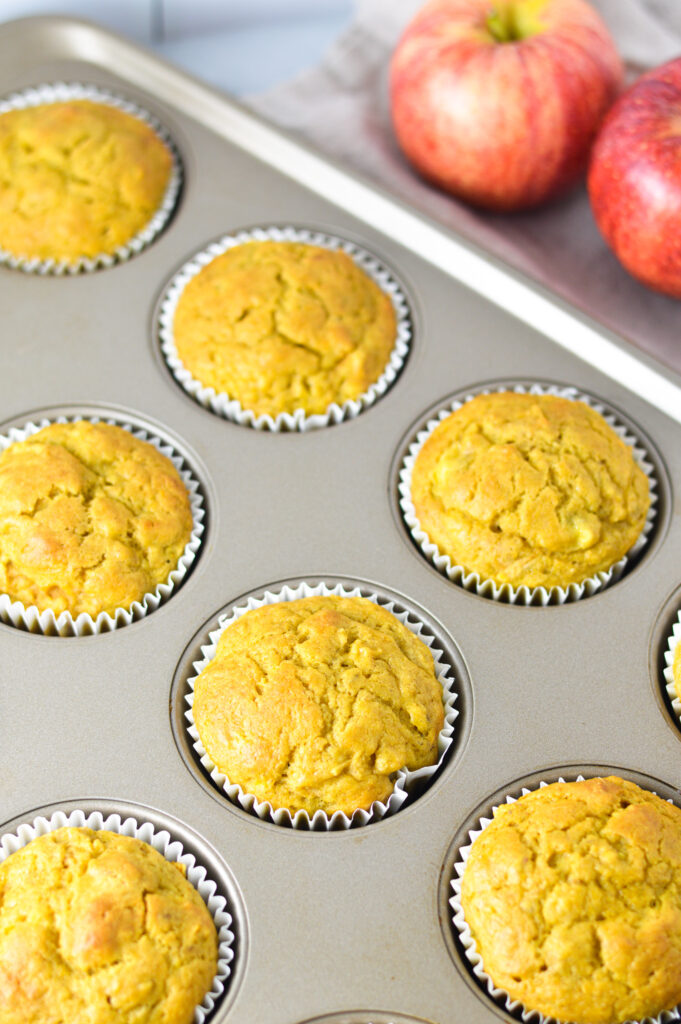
[[531, 490], [573, 896], [91, 518], [282, 326], [77, 179], [316, 703], [98, 928]]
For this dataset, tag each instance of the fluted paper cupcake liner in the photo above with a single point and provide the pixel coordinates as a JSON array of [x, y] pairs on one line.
[[230, 408], [61, 92], [405, 780], [672, 643], [170, 848], [30, 618], [524, 595], [500, 995]]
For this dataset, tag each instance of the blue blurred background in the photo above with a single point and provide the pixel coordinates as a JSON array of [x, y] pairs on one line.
[[240, 46]]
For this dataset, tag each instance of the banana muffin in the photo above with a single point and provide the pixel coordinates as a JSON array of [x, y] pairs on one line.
[[78, 179], [91, 518], [533, 490], [573, 897], [315, 704], [99, 928], [282, 326]]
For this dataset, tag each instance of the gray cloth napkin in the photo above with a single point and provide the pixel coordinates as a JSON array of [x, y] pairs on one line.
[[341, 106]]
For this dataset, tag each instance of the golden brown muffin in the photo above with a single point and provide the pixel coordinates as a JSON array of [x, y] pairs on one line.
[[77, 179], [98, 928], [676, 670], [316, 703], [91, 518], [531, 490], [282, 326], [573, 896]]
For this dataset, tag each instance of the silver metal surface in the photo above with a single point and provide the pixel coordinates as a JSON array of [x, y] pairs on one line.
[[347, 924]]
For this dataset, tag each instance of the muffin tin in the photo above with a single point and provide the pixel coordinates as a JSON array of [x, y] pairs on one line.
[[351, 926]]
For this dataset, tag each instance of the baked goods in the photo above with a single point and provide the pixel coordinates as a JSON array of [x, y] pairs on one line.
[[281, 326], [98, 928], [78, 179], [91, 518], [676, 670], [529, 490], [573, 897], [315, 704]]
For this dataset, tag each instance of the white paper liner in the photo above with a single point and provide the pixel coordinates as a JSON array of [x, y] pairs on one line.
[[672, 643], [230, 408], [524, 595], [30, 618], [405, 780], [60, 92], [500, 995], [170, 848]]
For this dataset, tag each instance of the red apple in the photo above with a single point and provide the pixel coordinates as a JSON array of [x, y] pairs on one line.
[[498, 101], [635, 179]]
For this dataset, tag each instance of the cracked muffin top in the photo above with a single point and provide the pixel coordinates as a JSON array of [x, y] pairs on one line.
[[573, 896], [316, 703], [532, 490], [91, 518], [282, 326], [77, 179], [99, 928]]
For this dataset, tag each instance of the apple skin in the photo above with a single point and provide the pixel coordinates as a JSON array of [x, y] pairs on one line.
[[504, 125], [635, 179]]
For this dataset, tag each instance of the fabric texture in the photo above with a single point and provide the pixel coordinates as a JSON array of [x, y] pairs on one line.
[[342, 107]]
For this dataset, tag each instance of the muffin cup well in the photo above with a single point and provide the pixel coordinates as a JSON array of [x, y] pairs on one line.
[[30, 618], [60, 92], [524, 595], [672, 644], [230, 408], [470, 949], [405, 780], [170, 848]]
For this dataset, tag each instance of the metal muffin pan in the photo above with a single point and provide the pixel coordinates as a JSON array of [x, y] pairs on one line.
[[348, 926]]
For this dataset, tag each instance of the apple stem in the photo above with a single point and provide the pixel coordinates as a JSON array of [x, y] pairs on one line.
[[510, 22], [498, 24]]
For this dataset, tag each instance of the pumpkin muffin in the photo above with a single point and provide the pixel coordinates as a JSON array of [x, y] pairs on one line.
[[99, 928], [78, 179], [281, 326], [315, 704], [676, 670], [91, 518], [529, 490], [573, 897]]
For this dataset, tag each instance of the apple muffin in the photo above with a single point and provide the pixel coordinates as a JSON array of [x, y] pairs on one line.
[[315, 704], [281, 326], [573, 897], [529, 490], [91, 518], [99, 928], [78, 179]]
